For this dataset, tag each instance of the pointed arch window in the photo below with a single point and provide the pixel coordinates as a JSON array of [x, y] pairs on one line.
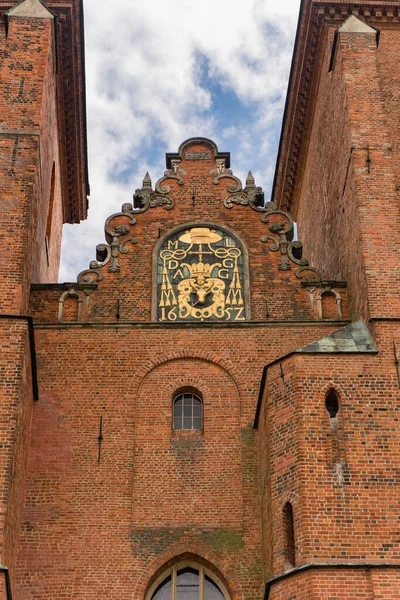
[[188, 581], [332, 403]]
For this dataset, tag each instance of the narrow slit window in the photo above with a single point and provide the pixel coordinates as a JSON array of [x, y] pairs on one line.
[[289, 539], [50, 214], [332, 403]]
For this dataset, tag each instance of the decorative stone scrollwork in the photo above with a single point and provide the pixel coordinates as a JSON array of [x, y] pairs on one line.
[[117, 236], [309, 274], [282, 240], [251, 195], [221, 169], [175, 169], [146, 198]]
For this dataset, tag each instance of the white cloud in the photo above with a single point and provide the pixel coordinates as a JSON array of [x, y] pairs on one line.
[[146, 88]]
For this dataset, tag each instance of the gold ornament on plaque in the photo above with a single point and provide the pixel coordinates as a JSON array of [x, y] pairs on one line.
[[200, 277]]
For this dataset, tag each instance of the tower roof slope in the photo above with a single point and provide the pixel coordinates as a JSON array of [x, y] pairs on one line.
[[355, 337]]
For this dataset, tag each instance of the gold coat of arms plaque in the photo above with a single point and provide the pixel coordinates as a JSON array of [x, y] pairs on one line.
[[200, 277]]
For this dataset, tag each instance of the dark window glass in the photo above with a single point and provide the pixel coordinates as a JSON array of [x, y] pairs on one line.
[[163, 592], [332, 404], [187, 584], [197, 410], [188, 412]]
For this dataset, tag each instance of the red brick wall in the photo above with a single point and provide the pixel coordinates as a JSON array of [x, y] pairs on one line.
[[389, 75], [27, 106], [328, 194], [342, 512], [354, 229], [181, 460], [15, 408], [28, 136], [50, 216], [155, 494], [351, 584]]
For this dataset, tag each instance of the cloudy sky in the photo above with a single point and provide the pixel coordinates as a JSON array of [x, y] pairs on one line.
[[161, 71]]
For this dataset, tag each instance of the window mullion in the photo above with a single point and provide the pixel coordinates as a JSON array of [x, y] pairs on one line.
[[173, 586], [201, 583]]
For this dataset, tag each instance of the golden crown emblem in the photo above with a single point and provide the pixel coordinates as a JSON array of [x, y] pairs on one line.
[[200, 270]]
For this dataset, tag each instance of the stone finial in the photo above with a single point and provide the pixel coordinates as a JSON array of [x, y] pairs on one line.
[[354, 25], [250, 180], [31, 8], [175, 162], [220, 162], [146, 182]]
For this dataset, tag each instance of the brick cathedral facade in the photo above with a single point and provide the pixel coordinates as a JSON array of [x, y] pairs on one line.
[[211, 410]]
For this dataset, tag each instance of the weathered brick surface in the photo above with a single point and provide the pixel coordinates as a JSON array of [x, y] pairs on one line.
[[29, 147], [83, 519], [350, 173], [340, 480], [15, 407], [155, 494], [353, 584]]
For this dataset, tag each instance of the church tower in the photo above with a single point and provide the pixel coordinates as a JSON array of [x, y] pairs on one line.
[[43, 183], [210, 411], [338, 175]]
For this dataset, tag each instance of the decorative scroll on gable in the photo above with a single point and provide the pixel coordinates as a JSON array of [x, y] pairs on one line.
[[282, 230], [251, 195], [118, 237], [201, 270], [146, 197]]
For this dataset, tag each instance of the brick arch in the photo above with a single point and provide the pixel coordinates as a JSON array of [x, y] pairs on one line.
[[332, 385], [293, 497], [194, 550], [210, 357], [324, 294], [183, 382], [161, 455]]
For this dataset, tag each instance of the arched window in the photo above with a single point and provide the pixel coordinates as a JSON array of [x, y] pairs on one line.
[[188, 411], [188, 581], [332, 403], [338, 455]]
